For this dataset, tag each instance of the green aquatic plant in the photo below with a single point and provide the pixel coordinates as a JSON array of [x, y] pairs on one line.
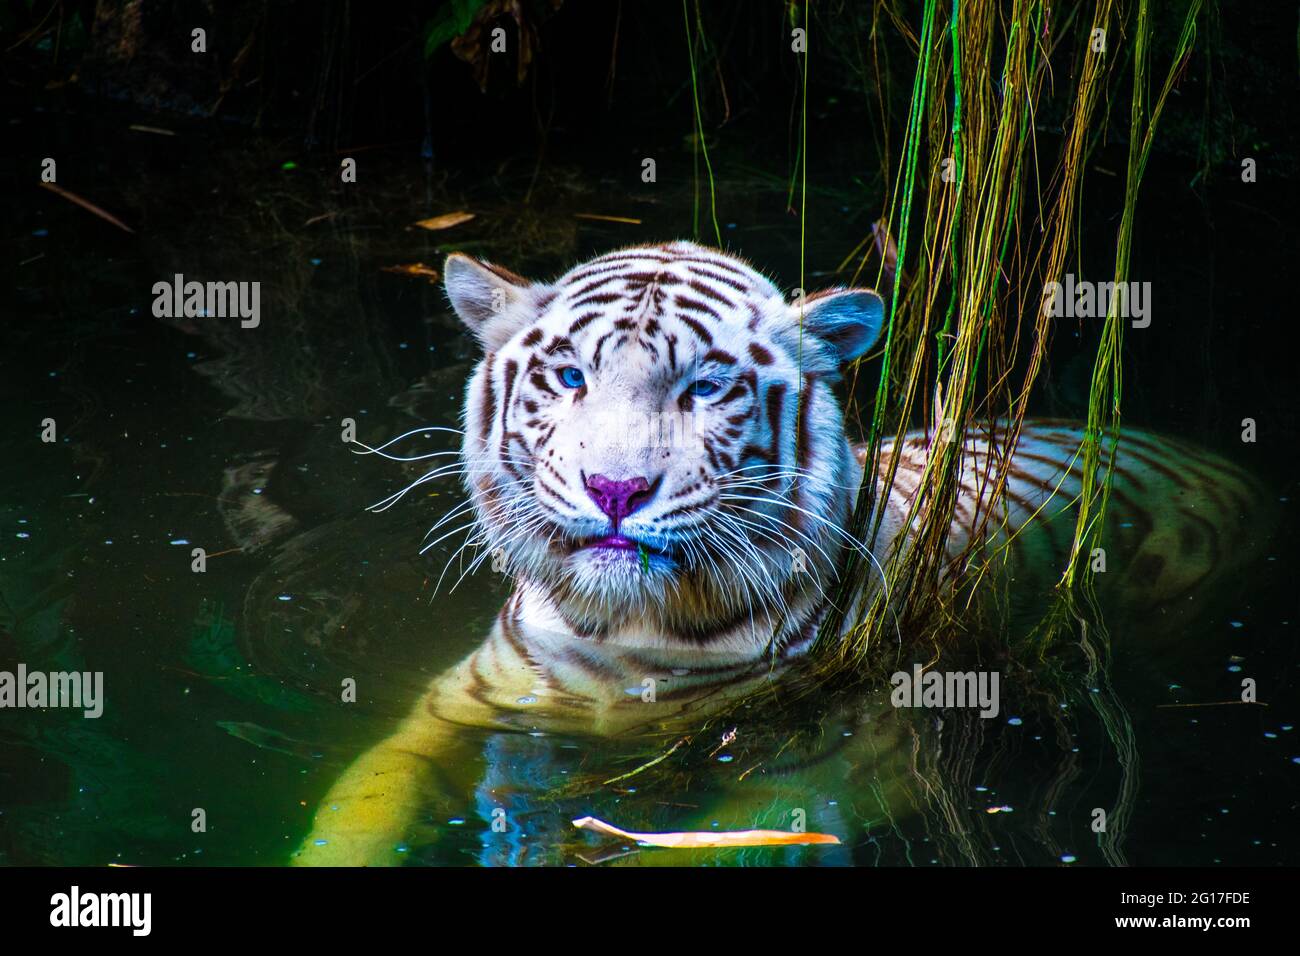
[[699, 128], [984, 220], [452, 19]]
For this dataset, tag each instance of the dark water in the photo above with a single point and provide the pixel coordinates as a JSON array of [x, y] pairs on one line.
[[222, 688]]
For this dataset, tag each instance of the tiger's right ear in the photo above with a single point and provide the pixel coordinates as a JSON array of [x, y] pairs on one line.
[[493, 302]]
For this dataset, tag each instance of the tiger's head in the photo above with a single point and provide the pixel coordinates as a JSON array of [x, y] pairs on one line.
[[653, 438]]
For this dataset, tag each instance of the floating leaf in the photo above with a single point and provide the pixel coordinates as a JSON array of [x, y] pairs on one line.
[[599, 218], [87, 205], [445, 221], [413, 269], [688, 840]]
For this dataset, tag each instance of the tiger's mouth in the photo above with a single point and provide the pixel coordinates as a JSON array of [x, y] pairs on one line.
[[620, 543], [615, 541]]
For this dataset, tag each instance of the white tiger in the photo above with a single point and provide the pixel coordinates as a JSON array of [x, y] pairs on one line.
[[655, 453]]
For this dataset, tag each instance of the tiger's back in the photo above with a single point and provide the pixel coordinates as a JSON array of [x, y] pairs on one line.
[[1179, 520]]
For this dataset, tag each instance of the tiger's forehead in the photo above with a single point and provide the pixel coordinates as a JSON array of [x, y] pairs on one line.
[[648, 281], [662, 308], [675, 259]]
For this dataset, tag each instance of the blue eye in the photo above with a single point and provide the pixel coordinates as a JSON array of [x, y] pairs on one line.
[[571, 377], [703, 388]]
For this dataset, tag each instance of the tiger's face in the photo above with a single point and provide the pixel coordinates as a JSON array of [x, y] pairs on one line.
[[653, 438]]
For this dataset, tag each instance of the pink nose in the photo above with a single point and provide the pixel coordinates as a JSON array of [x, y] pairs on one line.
[[618, 499]]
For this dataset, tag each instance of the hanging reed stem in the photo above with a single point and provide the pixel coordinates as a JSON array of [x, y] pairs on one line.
[[983, 224]]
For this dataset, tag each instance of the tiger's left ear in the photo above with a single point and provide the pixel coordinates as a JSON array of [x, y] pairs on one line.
[[493, 302], [846, 321]]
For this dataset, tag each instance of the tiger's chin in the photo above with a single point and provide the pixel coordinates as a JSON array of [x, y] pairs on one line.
[[618, 573], [602, 589]]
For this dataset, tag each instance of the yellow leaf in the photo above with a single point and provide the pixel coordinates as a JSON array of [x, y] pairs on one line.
[[599, 218], [723, 838], [445, 221], [414, 269]]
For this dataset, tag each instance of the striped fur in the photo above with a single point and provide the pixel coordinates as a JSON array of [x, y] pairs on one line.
[[599, 639]]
